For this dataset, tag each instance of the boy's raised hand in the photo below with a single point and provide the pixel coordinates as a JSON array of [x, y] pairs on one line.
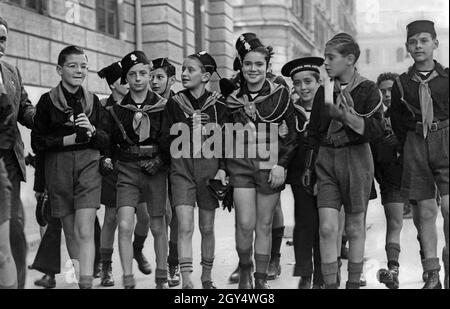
[[83, 122], [328, 85]]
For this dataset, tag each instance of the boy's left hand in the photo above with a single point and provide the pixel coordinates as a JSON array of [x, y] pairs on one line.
[[283, 130], [83, 122], [277, 176]]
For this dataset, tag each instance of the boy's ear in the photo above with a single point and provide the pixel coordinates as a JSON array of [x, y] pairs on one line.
[[407, 47], [172, 81], [206, 77], [436, 43], [59, 70], [351, 59]]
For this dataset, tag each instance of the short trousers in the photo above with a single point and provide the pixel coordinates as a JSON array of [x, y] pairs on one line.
[[345, 177], [389, 176], [425, 165], [135, 187], [189, 179], [5, 194], [73, 181], [109, 191], [247, 174]]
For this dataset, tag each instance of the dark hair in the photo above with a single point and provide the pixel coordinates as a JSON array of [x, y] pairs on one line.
[[169, 69], [266, 51], [345, 44], [69, 50], [386, 76], [4, 23]]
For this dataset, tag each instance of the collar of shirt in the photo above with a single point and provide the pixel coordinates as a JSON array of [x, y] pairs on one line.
[[437, 67], [265, 90], [197, 103], [71, 97], [149, 100]]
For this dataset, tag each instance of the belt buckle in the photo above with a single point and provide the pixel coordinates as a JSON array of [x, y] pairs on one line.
[[337, 141], [434, 127]]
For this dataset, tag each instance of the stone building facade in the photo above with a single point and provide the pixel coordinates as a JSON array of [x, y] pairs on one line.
[[109, 29], [295, 28], [382, 34]]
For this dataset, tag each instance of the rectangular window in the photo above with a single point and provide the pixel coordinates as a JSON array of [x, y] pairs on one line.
[[39, 6], [199, 17], [107, 17]]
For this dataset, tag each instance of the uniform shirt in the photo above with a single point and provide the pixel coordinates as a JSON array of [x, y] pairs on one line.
[[173, 114], [297, 164], [51, 125], [273, 107], [387, 160], [403, 117], [126, 117], [366, 98]]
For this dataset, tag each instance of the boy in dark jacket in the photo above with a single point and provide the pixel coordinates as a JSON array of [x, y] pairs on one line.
[[420, 119], [68, 128]]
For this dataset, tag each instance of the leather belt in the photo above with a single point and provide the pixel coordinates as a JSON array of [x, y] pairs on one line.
[[142, 151], [338, 140], [435, 126]]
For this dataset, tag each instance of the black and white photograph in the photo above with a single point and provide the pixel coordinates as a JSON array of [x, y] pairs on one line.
[[224, 145]]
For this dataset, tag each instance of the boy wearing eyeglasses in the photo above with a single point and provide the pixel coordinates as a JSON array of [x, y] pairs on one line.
[[68, 129]]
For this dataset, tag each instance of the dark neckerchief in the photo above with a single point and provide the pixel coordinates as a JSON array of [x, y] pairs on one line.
[[59, 100], [141, 119], [72, 97]]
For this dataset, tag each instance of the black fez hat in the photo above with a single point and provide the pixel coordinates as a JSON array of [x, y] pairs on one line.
[[302, 64], [246, 43], [111, 73], [130, 61], [420, 26], [207, 61], [164, 63]]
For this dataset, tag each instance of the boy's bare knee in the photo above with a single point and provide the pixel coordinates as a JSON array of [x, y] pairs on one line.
[[186, 228], [394, 224], [85, 233], [328, 230], [428, 213], [157, 226], [354, 230], [207, 229], [125, 229]]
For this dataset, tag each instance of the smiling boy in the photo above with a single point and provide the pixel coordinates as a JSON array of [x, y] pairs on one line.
[[420, 119], [195, 106], [68, 129]]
